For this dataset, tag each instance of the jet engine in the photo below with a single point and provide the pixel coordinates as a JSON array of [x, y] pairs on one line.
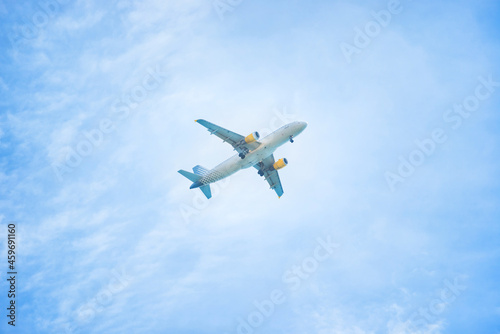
[[254, 136], [280, 164]]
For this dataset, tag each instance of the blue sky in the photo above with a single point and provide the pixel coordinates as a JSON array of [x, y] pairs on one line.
[[397, 172]]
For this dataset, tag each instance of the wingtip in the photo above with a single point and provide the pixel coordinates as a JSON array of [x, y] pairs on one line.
[[196, 120]]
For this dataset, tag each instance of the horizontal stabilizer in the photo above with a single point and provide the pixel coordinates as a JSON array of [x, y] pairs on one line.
[[206, 190], [191, 176]]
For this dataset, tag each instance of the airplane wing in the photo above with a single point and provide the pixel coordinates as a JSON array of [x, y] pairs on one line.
[[238, 142], [271, 175]]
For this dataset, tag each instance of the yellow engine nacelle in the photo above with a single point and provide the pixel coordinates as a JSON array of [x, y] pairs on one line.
[[280, 164], [254, 136]]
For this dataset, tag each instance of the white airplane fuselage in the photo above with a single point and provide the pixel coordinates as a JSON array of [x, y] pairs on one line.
[[269, 144]]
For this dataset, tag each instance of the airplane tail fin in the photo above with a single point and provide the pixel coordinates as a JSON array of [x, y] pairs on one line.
[[199, 172]]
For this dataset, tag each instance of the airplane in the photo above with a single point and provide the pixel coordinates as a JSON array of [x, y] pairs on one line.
[[251, 152]]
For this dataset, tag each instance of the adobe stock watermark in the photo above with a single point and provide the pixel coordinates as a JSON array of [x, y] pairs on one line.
[[200, 202], [371, 30], [32, 26], [292, 279], [121, 109], [222, 7], [118, 282], [427, 146], [429, 315]]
